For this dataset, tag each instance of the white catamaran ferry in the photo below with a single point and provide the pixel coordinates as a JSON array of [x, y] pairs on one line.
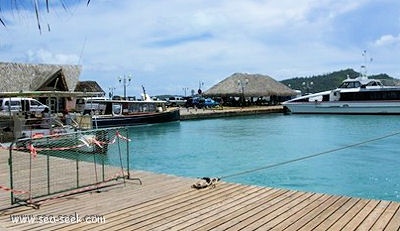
[[354, 96]]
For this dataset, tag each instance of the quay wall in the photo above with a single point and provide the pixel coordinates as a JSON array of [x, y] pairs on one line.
[[192, 114]]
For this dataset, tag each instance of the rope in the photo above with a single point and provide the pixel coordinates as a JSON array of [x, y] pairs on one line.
[[6, 189], [310, 156]]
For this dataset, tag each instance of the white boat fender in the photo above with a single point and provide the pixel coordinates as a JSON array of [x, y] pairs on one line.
[[205, 182]]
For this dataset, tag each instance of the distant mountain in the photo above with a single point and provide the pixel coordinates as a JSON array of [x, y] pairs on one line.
[[331, 81]]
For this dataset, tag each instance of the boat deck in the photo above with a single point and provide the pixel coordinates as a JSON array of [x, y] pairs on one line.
[[165, 202]]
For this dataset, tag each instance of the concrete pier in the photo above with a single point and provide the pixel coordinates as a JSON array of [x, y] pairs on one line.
[[191, 113]]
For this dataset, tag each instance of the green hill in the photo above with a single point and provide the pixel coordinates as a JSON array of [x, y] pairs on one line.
[[331, 81]]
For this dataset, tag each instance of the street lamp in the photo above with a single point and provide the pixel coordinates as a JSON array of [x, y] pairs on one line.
[[200, 85], [242, 85], [125, 80], [185, 89], [111, 92], [308, 86]]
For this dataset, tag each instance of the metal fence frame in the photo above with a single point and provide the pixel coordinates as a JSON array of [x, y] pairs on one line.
[[34, 177]]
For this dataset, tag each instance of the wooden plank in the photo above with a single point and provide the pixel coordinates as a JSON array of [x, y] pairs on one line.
[[194, 213], [307, 216], [278, 210], [386, 216], [169, 209], [373, 216], [325, 214], [93, 205], [358, 218], [223, 217], [243, 217], [135, 212], [294, 214], [88, 205], [229, 199], [349, 215], [394, 223], [337, 214]]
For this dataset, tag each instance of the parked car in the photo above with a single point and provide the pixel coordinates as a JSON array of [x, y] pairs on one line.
[[175, 101], [16, 104], [198, 102], [209, 103], [191, 102], [201, 102]]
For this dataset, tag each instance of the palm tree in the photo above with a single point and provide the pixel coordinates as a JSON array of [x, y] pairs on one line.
[[36, 5]]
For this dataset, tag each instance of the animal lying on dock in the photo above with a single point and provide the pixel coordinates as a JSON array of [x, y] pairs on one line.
[[205, 182]]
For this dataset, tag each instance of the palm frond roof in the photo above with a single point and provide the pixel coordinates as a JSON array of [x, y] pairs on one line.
[[38, 77], [254, 85]]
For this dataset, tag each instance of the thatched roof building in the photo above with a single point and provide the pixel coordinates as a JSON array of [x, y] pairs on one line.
[[54, 85], [38, 77], [88, 86], [249, 85]]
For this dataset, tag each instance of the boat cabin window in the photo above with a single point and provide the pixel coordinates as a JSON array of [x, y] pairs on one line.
[[300, 100], [116, 109], [374, 83], [370, 95], [354, 84], [142, 107]]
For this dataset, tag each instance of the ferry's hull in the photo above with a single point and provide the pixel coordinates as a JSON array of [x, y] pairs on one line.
[[343, 107], [136, 119]]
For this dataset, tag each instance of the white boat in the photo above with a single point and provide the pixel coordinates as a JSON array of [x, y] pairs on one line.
[[51, 134], [354, 96]]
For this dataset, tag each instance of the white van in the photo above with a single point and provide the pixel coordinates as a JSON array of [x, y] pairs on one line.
[[16, 104]]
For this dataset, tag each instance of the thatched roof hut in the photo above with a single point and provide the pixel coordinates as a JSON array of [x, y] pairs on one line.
[[45, 81], [254, 85], [88, 86], [38, 77]]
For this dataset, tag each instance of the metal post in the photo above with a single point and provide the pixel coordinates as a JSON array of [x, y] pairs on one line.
[[11, 173], [120, 158], [48, 174], [77, 162], [128, 160], [103, 168], [125, 80], [30, 177], [242, 86], [127, 155], [185, 89]]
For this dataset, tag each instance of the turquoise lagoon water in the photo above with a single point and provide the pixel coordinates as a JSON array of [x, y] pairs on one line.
[[228, 147]]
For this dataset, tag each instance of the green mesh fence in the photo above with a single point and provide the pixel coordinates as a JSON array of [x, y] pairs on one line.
[[42, 168]]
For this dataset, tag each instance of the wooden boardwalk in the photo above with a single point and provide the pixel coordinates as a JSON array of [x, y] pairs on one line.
[[165, 202]]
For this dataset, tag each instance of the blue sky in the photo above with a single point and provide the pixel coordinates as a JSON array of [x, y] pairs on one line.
[[168, 46]]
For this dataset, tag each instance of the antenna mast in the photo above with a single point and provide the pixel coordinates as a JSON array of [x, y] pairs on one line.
[[364, 67]]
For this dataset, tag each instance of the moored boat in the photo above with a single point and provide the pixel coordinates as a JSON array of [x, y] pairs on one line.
[[49, 133], [116, 113], [354, 96]]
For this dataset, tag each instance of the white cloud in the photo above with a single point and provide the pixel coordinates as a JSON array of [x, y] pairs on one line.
[[386, 40], [45, 56], [176, 43]]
